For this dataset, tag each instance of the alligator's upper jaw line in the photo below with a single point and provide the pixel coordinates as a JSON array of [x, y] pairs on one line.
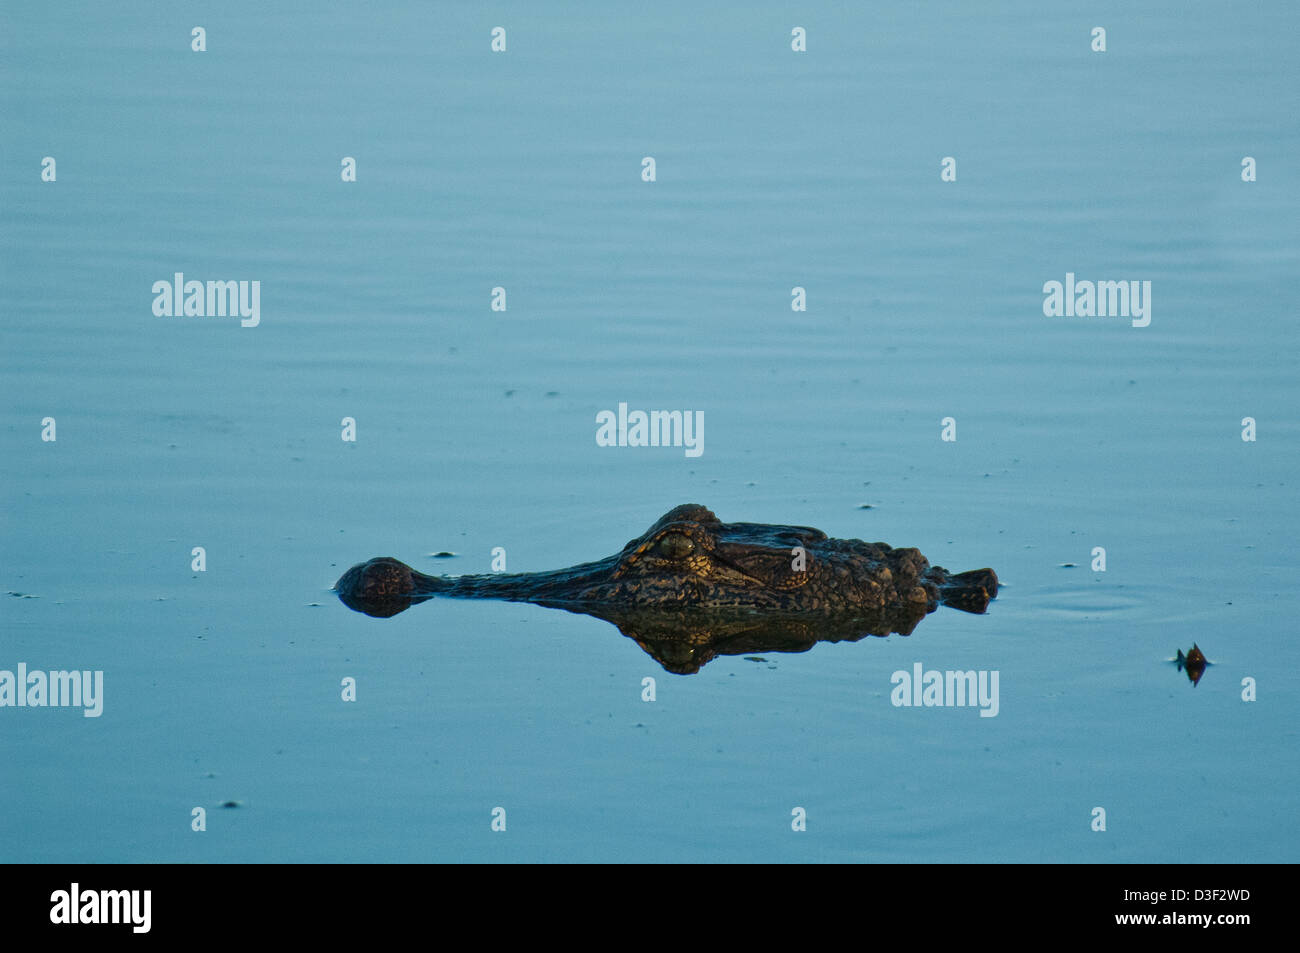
[[762, 583]]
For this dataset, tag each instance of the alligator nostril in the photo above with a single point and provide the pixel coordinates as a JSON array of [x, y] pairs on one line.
[[381, 576]]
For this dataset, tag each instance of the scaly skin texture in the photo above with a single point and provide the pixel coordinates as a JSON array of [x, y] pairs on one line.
[[689, 559]]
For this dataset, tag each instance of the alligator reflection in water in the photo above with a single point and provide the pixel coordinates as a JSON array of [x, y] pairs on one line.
[[692, 588], [684, 640]]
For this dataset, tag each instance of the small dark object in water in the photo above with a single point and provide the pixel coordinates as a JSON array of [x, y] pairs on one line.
[[1194, 663]]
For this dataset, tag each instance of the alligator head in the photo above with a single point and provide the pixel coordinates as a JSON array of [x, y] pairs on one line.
[[691, 560]]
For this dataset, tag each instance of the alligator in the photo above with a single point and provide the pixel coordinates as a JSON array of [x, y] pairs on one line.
[[692, 573]]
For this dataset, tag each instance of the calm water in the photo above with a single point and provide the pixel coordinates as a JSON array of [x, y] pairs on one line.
[[475, 428]]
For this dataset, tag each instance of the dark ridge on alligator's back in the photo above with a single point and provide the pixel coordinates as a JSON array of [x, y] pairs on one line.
[[689, 559]]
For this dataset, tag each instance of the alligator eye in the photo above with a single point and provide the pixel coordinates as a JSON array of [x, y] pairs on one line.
[[675, 546]]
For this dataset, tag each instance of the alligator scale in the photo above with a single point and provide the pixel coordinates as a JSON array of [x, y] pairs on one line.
[[693, 581]]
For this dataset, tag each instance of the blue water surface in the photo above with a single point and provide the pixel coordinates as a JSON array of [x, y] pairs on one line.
[[475, 428]]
